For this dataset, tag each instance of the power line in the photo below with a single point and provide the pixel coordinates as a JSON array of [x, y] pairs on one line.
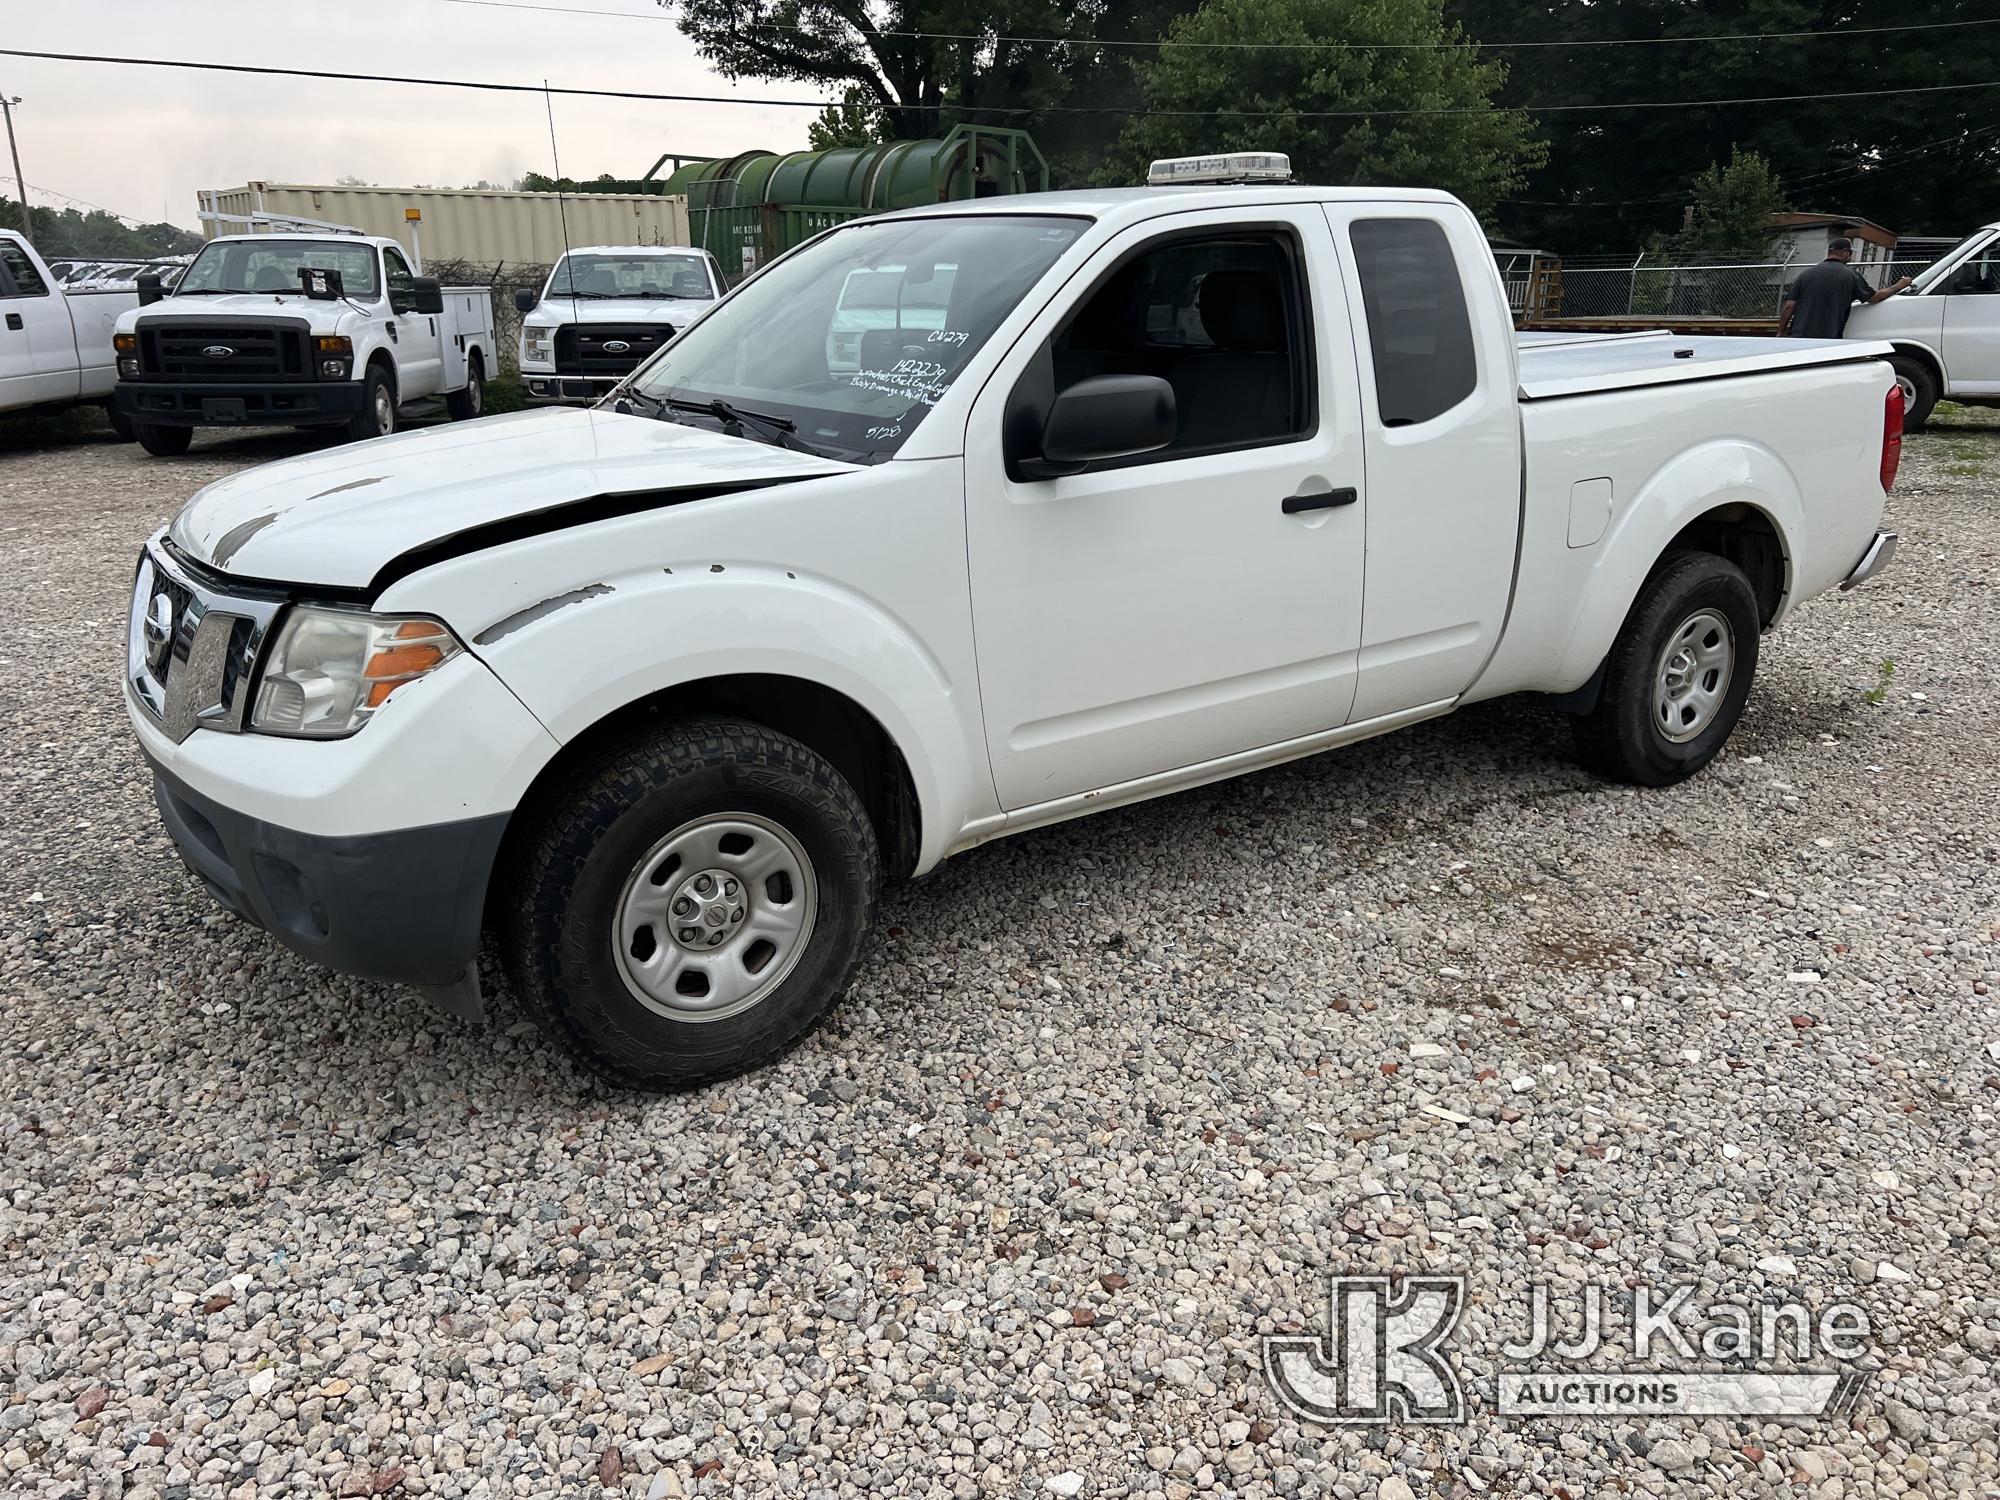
[[1086, 41], [1022, 109], [81, 202]]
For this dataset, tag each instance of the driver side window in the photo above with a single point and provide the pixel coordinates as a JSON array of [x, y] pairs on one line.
[[396, 275], [1980, 277], [1221, 319]]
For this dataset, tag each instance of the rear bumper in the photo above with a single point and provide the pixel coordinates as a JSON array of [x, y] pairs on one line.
[[404, 907], [296, 403], [1880, 551]]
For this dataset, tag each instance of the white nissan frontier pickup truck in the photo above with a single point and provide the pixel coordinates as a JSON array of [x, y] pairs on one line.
[[1185, 482]]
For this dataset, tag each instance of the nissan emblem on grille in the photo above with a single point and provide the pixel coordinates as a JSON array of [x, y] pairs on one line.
[[159, 631], [218, 351]]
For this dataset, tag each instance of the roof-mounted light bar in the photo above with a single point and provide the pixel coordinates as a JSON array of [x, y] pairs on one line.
[[1208, 171]]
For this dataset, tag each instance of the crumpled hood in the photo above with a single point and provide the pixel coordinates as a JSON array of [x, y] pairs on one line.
[[338, 518], [676, 311]]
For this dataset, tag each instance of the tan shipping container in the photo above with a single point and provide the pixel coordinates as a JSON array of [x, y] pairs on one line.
[[473, 224]]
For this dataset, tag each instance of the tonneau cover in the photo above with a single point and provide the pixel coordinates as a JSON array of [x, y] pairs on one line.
[[1558, 364]]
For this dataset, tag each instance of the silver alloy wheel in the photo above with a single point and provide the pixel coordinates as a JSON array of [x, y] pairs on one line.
[[1692, 677], [385, 410], [1909, 390], [475, 391], [715, 917]]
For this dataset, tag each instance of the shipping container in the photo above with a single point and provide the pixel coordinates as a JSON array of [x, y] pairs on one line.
[[471, 224]]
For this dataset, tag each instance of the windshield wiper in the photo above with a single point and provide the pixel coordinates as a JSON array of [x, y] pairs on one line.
[[783, 429], [654, 406]]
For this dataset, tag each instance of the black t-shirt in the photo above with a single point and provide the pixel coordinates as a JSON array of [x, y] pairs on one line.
[[1825, 295]]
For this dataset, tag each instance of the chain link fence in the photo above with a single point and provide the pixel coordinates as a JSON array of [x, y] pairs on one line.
[[1570, 292]]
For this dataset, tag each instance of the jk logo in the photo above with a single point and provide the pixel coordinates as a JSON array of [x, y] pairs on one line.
[[1378, 1361]]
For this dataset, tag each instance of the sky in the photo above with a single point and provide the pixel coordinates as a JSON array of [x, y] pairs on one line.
[[142, 141]]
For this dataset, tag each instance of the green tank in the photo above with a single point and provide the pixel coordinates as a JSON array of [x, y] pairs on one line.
[[747, 208]]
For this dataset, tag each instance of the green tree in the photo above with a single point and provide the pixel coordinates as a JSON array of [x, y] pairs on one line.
[[1332, 99], [69, 234], [856, 122], [1729, 214], [1917, 162]]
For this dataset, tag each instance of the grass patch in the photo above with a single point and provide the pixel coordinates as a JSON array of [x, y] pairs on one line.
[[504, 393], [1884, 675]]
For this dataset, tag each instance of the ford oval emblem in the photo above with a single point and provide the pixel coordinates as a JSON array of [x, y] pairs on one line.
[[617, 346], [218, 351]]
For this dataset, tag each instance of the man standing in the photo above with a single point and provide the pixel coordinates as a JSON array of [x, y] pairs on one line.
[[1818, 301]]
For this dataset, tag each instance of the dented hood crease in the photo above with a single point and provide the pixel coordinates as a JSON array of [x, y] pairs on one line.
[[339, 518]]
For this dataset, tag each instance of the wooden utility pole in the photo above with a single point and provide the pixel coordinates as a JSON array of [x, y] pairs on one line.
[[20, 182]]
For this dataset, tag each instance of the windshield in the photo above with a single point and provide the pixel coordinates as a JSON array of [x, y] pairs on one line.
[[855, 337], [652, 277], [246, 265], [1948, 261]]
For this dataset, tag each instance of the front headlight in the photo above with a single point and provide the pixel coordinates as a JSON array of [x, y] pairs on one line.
[[538, 346], [330, 669]]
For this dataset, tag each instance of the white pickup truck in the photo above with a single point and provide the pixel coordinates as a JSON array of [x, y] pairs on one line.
[[55, 344], [301, 330], [658, 693], [1945, 329], [604, 311]]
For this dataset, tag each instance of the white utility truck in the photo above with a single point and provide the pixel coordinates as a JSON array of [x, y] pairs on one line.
[[1945, 329], [309, 328], [55, 344], [660, 692], [606, 310]]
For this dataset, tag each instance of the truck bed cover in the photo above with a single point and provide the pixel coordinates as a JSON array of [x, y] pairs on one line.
[[1558, 364]]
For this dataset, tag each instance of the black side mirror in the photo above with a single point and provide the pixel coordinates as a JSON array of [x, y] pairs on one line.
[[1105, 417], [526, 299], [425, 296], [150, 290]]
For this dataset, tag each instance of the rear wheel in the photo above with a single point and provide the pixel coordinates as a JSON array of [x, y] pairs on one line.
[[1920, 390], [163, 442], [377, 417], [471, 402], [692, 902], [1678, 675]]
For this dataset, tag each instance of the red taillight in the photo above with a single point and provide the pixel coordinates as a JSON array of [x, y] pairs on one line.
[[1892, 436]]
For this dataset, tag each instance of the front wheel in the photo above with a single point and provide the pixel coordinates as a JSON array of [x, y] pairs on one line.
[[1920, 390], [692, 902], [377, 417], [1678, 675], [163, 442]]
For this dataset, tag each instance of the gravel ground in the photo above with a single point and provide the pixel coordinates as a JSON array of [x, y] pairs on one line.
[[1108, 1102]]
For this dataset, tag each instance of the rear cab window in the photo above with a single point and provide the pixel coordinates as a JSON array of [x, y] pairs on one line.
[[1419, 327]]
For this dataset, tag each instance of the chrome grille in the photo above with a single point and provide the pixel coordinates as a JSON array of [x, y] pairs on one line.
[[190, 650]]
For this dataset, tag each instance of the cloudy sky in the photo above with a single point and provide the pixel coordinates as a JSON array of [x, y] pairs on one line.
[[142, 141]]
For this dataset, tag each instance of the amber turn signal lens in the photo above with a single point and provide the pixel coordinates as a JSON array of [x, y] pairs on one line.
[[125, 343]]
